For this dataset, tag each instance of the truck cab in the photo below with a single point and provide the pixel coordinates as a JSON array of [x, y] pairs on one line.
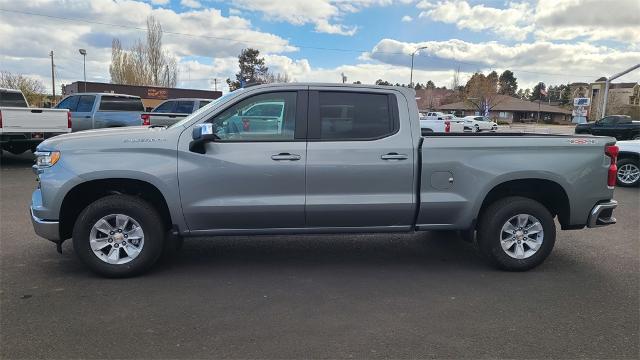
[[102, 110]]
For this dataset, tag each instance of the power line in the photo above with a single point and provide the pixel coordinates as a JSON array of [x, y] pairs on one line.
[[585, 76]]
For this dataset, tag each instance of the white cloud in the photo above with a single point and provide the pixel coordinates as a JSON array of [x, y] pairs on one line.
[[513, 22], [532, 62], [194, 4], [214, 36], [548, 20], [590, 19], [407, 18], [324, 14]]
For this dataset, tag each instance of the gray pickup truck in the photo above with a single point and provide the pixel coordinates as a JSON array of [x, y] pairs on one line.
[[171, 111], [103, 110], [339, 159]]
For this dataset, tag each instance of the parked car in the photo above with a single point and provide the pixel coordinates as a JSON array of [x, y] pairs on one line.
[[479, 123], [440, 123], [172, 111], [629, 163], [622, 127], [22, 128], [102, 110], [346, 158]]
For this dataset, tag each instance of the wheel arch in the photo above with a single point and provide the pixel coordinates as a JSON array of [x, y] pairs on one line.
[[83, 194], [548, 192]]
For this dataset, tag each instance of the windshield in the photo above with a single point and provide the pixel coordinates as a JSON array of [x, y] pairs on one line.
[[214, 103]]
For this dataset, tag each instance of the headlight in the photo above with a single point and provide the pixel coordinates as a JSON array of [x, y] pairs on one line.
[[47, 158]]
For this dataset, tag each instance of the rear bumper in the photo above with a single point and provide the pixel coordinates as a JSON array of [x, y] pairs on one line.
[[602, 214], [47, 229]]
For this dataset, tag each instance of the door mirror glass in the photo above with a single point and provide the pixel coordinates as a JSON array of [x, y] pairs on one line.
[[201, 130]]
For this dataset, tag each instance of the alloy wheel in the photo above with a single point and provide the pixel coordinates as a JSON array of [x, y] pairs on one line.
[[628, 174], [116, 239], [521, 236]]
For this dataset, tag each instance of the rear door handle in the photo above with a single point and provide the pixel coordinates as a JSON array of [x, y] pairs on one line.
[[394, 156], [285, 156]]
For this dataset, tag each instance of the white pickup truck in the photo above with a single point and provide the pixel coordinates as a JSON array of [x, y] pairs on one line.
[[440, 123], [22, 128]]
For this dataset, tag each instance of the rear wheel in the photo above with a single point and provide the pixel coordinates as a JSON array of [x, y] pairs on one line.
[[118, 236], [516, 233], [476, 128], [628, 172]]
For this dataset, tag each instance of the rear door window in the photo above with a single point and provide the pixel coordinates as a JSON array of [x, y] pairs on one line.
[[85, 103], [203, 104], [165, 107], [120, 103], [344, 116], [184, 107], [70, 103]]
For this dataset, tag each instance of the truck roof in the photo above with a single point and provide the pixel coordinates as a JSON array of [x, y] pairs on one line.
[[105, 93], [10, 90], [189, 99]]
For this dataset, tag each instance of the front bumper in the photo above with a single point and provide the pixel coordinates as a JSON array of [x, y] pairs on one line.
[[602, 214], [45, 228]]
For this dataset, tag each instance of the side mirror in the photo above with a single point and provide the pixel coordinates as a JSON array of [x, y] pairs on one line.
[[202, 134]]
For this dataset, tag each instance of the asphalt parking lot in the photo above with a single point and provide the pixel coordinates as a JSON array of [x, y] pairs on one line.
[[426, 295]]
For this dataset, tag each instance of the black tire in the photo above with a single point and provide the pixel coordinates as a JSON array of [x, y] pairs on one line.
[[490, 231], [620, 164], [476, 128], [134, 207]]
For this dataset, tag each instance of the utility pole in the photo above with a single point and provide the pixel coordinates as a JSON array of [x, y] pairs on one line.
[[215, 84], [53, 79]]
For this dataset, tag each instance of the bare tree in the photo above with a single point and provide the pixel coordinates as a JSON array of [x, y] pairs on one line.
[[276, 78], [146, 63], [482, 91], [32, 89]]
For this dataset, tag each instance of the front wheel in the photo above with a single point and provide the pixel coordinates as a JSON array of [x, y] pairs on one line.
[[628, 173], [119, 236], [516, 233]]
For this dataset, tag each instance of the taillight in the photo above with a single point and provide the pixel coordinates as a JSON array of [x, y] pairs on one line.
[[146, 119], [612, 152], [246, 124], [0, 119], [447, 126], [69, 119]]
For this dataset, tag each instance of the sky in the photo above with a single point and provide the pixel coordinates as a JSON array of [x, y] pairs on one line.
[[553, 41]]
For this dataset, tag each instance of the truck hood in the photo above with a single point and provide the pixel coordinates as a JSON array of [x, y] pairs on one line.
[[102, 138]]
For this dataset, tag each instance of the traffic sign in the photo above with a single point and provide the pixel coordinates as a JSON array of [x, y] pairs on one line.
[[581, 102]]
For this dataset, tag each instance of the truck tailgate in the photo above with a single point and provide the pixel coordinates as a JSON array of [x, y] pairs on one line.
[[20, 120]]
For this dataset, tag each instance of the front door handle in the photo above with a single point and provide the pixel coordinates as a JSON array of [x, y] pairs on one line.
[[394, 156], [285, 156]]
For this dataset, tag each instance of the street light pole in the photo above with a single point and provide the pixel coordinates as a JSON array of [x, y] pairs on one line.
[[606, 87], [412, 55], [83, 52]]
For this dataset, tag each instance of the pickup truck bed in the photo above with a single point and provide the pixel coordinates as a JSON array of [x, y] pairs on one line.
[[23, 128]]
